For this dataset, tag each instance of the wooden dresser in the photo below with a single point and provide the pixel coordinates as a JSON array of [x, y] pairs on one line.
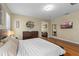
[[30, 34]]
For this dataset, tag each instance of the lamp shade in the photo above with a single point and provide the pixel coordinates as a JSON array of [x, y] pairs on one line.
[[10, 33]]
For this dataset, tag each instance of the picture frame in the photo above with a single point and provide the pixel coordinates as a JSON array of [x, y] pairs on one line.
[[67, 25], [17, 24], [30, 24]]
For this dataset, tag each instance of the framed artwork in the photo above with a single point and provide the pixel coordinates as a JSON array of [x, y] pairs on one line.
[[66, 25], [30, 24], [45, 26], [17, 24]]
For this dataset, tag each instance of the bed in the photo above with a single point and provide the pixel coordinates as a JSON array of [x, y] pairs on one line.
[[30, 47], [10, 46], [39, 47]]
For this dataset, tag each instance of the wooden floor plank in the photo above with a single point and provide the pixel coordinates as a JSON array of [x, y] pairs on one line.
[[71, 49]]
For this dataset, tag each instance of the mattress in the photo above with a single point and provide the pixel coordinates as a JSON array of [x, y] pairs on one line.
[[38, 47]]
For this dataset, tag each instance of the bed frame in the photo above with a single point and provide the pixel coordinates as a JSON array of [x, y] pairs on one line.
[[30, 34]]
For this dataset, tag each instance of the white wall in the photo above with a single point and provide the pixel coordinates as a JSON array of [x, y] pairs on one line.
[[68, 34], [22, 20]]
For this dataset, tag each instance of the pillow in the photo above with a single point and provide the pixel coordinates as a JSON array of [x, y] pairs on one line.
[[5, 39], [1, 44], [9, 48]]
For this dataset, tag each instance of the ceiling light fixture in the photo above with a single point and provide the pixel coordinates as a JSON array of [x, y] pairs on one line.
[[48, 7]]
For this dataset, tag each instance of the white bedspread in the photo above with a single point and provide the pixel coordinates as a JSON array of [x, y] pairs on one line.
[[38, 47]]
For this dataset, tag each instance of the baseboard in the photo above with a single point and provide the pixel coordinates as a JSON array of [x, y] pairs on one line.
[[64, 39]]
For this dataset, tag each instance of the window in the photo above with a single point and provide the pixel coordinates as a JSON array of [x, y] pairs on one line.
[[7, 21]]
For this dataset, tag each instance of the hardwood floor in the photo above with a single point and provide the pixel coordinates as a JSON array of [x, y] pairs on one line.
[[70, 48]]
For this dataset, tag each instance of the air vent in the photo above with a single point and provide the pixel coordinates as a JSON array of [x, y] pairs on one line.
[[73, 3]]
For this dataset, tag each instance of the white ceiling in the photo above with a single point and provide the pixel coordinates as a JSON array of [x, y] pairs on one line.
[[36, 9]]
